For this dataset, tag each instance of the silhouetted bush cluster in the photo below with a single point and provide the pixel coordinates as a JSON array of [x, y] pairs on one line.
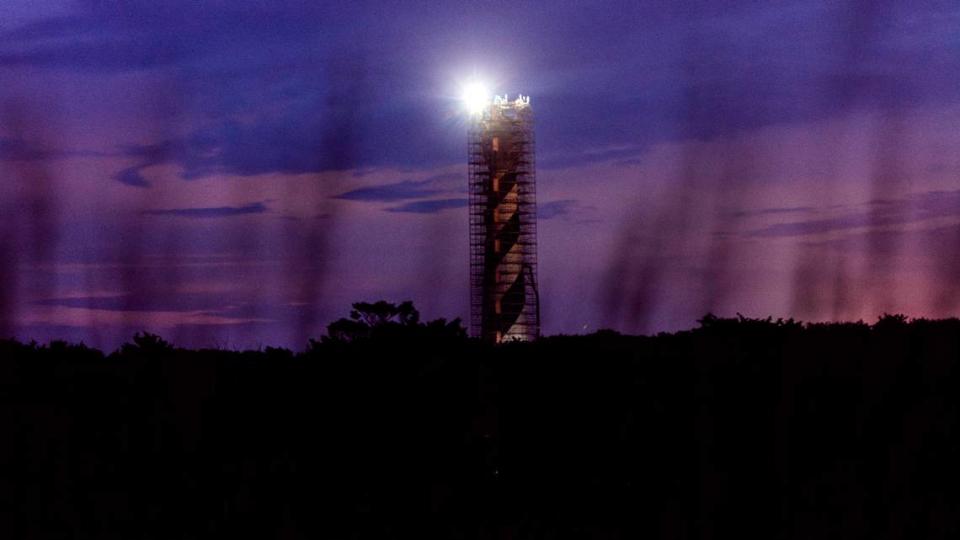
[[393, 428]]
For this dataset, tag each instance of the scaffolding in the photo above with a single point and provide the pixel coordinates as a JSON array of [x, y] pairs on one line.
[[504, 299]]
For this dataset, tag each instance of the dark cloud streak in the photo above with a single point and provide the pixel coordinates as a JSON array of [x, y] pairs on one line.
[[875, 214], [391, 192], [214, 212], [429, 206], [555, 209]]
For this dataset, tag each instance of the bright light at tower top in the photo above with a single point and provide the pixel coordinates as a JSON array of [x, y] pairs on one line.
[[475, 97]]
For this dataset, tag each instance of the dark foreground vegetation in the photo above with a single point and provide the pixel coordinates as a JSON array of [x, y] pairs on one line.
[[393, 428]]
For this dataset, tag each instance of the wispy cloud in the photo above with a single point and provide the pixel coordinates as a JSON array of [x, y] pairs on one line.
[[446, 178], [773, 211], [214, 212], [143, 301], [555, 209], [877, 213], [429, 206], [20, 150], [822, 226], [148, 155], [399, 191], [14, 149], [132, 177]]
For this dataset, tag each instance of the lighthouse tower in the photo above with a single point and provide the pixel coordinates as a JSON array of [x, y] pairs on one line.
[[504, 300]]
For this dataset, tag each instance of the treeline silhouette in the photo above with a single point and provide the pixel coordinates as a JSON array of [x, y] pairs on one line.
[[390, 427]]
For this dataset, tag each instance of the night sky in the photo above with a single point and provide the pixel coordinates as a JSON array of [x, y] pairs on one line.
[[236, 173]]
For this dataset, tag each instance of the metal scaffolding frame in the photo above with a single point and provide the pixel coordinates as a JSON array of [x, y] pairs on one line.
[[504, 300]]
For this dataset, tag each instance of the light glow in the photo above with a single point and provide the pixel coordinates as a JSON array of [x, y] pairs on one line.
[[475, 97]]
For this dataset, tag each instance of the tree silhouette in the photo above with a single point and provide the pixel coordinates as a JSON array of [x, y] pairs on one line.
[[383, 319], [147, 343], [395, 428]]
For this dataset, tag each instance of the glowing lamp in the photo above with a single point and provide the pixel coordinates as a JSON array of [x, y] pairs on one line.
[[475, 98]]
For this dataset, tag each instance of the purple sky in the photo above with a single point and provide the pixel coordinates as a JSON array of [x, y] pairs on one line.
[[237, 173]]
